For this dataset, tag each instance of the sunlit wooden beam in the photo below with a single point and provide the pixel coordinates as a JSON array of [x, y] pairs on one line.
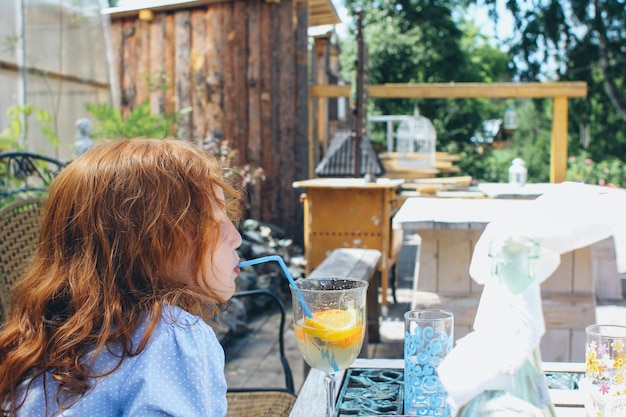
[[460, 90]]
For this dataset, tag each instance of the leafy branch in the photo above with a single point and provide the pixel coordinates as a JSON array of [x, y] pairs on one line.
[[139, 123], [18, 126]]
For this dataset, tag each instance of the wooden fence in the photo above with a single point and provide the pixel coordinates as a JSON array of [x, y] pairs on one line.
[[241, 66]]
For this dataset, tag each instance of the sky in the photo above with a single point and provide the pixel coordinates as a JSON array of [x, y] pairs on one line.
[[503, 30], [478, 13]]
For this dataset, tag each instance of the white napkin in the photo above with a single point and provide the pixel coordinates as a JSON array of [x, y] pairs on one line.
[[507, 329]]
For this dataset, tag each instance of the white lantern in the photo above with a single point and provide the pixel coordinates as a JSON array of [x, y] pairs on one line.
[[518, 172]]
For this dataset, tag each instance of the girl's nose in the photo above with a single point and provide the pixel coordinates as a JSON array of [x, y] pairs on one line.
[[237, 239]]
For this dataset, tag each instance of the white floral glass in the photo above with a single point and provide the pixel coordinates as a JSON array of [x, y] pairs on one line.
[[605, 370]]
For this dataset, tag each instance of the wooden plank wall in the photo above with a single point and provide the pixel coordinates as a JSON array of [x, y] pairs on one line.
[[242, 68], [442, 280]]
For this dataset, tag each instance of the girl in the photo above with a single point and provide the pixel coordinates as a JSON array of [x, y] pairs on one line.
[[136, 244]]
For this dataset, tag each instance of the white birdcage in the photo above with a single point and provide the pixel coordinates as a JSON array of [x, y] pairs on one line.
[[416, 141]]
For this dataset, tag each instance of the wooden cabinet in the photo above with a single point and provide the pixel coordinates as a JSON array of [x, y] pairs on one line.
[[350, 213]]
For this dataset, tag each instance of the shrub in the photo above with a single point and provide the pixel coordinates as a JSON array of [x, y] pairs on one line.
[[610, 172]]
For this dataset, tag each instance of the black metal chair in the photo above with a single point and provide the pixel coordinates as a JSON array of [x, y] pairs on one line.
[[26, 174], [265, 402]]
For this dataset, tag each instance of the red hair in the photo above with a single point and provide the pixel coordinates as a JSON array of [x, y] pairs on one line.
[[120, 225]]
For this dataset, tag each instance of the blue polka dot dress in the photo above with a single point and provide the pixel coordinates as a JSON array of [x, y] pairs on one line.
[[180, 373]]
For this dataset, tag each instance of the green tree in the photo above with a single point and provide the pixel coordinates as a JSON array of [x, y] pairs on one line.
[[139, 123], [564, 40], [584, 40], [11, 138], [418, 41]]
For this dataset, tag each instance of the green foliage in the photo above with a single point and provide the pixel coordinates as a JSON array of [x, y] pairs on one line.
[[47, 128], [10, 137], [139, 123], [610, 172], [9, 43], [530, 141], [578, 40], [607, 127], [417, 41]]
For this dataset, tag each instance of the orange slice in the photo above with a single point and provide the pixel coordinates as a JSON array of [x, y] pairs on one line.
[[332, 325]]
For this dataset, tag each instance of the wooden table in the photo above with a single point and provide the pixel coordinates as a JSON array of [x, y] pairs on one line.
[[351, 213], [311, 400], [450, 227], [506, 190]]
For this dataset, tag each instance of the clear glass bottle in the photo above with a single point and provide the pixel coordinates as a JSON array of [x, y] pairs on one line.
[[522, 391]]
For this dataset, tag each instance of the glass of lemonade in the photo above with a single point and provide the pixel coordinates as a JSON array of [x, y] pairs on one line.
[[329, 323]]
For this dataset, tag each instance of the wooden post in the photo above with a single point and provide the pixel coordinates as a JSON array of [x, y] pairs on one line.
[[157, 63], [558, 144], [182, 71], [253, 83], [311, 141], [142, 50], [359, 109], [198, 83], [214, 61], [321, 50], [169, 50]]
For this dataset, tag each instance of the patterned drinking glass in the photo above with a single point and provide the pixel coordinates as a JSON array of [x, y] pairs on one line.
[[428, 338], [605, 370]]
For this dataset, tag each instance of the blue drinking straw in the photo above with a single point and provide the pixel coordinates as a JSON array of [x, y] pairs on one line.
[[280, 261]]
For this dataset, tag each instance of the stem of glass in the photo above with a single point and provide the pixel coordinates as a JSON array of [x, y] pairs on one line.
[[329, 382]]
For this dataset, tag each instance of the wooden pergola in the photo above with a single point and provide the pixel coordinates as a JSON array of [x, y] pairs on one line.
[[560, 92]]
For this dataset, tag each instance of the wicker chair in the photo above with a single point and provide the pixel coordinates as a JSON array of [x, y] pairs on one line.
[[265, 402], [20, 223]]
